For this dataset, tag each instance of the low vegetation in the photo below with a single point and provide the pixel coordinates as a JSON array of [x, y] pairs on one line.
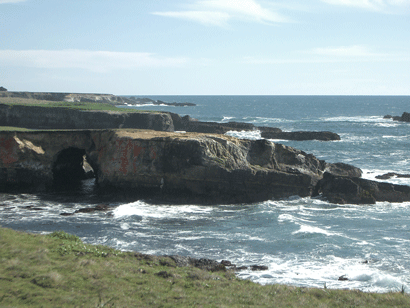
[[67, 105], [59, 270]]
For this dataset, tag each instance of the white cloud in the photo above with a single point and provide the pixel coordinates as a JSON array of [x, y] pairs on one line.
[[203, 17], [219, 12], [345, 51], [11, 1], [354, 53], [377, 5], [97, 61]]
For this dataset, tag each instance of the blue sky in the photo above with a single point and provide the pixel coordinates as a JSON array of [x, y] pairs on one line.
[[206, 47]]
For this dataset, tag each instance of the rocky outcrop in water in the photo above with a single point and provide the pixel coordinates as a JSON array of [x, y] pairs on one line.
[[390, 175], [148, 101], [405, 117], [168, 166], [342, 190], [183, 168], [302, 135], [189, 124]]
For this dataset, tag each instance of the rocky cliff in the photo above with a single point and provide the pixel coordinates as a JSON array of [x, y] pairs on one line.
[[66, 97], [188, 167], [64, 118]]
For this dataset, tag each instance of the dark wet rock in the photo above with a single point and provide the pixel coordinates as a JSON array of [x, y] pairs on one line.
[[97, 208], [268, 130], [301, 135], [343, 278], [241, 268], [258, 267], [405, 117], [66, 214], [33, 208], [342, 190], [389, 175]]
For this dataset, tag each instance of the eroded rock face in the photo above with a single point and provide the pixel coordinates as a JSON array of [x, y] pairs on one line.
[[204, 168], [184, 167], [62, 118]]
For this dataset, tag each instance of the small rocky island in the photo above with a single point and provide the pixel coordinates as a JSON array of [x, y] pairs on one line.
[[148, 101], [405, 117], [145, 153]]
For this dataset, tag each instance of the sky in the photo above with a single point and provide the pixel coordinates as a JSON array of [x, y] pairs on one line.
[[206, 47]]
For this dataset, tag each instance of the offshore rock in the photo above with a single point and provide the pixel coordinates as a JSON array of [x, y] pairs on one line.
[[405, 117], [342, 190], [390, 175], [169, 166], [301, 135]]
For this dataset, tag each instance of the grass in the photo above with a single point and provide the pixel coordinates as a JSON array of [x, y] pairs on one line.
[[12, 101], [59, 270], [12, 128]]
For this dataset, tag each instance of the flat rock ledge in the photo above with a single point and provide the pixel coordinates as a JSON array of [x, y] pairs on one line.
[[181, 168], [35, 117]]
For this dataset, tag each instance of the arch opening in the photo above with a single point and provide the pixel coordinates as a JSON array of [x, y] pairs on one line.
[[71, 167]]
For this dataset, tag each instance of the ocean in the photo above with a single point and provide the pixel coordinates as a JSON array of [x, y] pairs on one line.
[[305, 242]]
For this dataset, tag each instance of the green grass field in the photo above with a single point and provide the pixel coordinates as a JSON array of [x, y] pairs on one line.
[[58, 270]]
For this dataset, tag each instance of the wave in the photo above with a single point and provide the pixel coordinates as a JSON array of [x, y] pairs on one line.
[[252, 135], [145, 210], [372, 119]]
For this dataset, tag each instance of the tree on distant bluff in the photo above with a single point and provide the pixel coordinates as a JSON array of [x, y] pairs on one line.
[[3, 89]]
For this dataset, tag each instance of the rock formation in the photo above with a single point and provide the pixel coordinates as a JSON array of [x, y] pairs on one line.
[[63, 118], [405, 117], [302, 135], [183, 167], [189, 124], [341, 190], [145, 101], [67, 97]]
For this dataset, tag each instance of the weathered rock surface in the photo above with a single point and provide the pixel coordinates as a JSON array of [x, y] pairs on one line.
[[171, 166], [62, 118], [183, 167]]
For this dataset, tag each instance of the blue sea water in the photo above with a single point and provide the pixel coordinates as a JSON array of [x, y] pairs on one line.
[[303, 241]]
